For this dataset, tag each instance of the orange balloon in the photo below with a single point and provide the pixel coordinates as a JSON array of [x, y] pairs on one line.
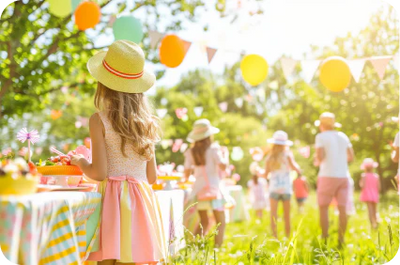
[[87, 15], [172, 51]]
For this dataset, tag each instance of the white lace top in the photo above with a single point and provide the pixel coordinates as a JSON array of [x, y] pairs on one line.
[[117, 164]]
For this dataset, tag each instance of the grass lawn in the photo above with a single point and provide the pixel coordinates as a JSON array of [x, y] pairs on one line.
[[251, 242]]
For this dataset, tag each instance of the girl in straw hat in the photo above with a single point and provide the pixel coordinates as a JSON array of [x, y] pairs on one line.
[[278, 165], [371, 186], [205, 160], [123, 135]]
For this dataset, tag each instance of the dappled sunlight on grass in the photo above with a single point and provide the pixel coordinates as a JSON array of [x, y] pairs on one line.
[[252, 242]]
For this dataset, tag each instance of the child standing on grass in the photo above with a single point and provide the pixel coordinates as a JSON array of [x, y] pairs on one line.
[[301, 189], [123, 135], [370, 185], [258, 188], [278, 165]]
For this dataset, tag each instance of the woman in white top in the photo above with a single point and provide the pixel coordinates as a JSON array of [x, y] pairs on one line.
[[205, 159]]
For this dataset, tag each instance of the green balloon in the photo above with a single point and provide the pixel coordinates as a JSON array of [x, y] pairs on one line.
[[75, 4], [128, 28]]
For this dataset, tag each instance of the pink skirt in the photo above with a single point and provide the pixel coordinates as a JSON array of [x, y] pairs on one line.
[[369, 195], [131, 229]]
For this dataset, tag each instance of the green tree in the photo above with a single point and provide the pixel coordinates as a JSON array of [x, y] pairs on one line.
[[40, 53]]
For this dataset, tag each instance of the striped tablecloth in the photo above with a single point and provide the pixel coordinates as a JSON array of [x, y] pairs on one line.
[[48, 228]]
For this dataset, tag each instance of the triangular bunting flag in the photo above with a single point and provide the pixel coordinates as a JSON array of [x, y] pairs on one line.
[[198, 111], [356, 67], [186, 45], [309, 67], [223, 106], [288, 66], [155, 38], [177, 145], [210, 53], [184, 146], [239, 102], [396, 61], [161, 113], [380, 63]]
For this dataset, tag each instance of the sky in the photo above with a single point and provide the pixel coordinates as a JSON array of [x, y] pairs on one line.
[[287, 27]]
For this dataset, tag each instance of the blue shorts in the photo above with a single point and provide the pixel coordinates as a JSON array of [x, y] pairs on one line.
[[301, 199], [277, 196]]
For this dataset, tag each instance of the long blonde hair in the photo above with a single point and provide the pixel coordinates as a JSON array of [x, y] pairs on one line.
[[199, 151], [131, 118], [275, 158]]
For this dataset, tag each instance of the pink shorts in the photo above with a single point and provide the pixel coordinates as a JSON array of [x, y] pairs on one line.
[[329, 188]]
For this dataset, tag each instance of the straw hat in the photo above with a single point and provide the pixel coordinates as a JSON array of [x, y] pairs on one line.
[[280, 138], [201, 130], [327, 118], [368, 162], [396, 119], [121, 68]]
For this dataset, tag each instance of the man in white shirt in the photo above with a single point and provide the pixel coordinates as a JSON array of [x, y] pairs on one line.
[[333, 153]]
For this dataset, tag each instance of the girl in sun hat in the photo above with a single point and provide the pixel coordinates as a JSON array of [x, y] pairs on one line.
[[371, 186], [123, 135], [395, 152], [205, 159], [278, 165]]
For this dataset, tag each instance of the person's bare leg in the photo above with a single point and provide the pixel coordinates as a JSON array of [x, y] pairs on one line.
[[342, 223], [107, 262], [220, 220], [202, 230], [274, 216], [324, 220], [370, 213], [286, 214], [374, 216]]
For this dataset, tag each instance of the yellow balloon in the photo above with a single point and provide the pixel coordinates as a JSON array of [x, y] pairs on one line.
[[60, 8], [254, 69], [335, 74]]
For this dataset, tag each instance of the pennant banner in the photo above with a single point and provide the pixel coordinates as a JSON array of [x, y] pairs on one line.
[[155, 38], [161, 113], [288, 66], [223, 106], [356, 67], [380, 64], [177, 145], [181, 112], [210, 53], [198, 111], [186, 45], [184, 146], [396, 61], [309, 67], [239, 102]]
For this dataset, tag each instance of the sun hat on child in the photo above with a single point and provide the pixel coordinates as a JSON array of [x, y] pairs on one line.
[[280, 138], [327, 118], [368, 162], [201, 130], [121, 68]]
